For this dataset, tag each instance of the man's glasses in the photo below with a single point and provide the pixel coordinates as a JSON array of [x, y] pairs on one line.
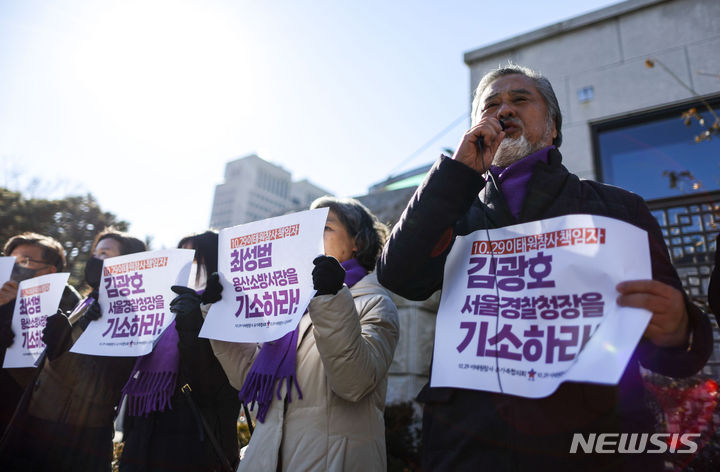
[[25, 261]]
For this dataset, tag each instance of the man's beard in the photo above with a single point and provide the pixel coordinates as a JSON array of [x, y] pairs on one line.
[[512, 150]]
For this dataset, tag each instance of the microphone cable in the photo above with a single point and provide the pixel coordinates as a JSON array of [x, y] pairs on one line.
[[493, 261]]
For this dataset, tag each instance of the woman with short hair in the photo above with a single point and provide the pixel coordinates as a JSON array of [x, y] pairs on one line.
[[337, 360]]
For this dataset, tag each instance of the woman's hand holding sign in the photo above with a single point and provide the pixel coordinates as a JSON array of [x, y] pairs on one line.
[[93, 312], [328, 275], [213, 289], [669, 325], [186, 305], [56, 335]]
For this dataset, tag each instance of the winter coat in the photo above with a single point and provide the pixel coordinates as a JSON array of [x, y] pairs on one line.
[[14, 381], [346, 343], [68, 425], [174, 439], [478, 430]]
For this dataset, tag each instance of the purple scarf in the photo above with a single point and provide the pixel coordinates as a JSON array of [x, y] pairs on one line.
[[154, 377], [513, 179], [276, 360]]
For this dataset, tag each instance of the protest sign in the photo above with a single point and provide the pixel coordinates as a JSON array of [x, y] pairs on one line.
[[135, 301], [266, 272], [6, 267], [529, 306], [37, 298]]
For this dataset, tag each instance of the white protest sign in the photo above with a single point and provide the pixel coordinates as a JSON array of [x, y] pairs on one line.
[[266, 272], [534, 305], [135, 301], [37, 298], [6, 267]]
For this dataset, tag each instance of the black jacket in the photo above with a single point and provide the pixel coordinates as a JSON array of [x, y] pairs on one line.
[[477, 430], [14, 381], [68, 423]]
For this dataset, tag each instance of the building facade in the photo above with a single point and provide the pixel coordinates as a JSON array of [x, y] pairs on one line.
[[255, 189]]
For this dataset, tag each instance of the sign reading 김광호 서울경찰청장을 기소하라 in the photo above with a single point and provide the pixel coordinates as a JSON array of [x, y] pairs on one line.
[[135, 298], [529, 306]]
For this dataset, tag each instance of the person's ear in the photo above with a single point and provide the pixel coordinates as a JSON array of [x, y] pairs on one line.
[[355, 245]]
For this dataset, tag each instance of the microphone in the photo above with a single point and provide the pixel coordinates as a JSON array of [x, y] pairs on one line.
[[479, 143]]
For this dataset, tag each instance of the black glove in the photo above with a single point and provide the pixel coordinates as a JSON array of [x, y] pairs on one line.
[[328, 275], [186, 307], [7, 337], [93, 312], [56, 335], [213, 289]]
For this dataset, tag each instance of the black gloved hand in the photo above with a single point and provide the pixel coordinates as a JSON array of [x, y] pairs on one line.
[[328, 275], [56, 335], [93, 312], [213, 289], [186, 307], [7, 337]]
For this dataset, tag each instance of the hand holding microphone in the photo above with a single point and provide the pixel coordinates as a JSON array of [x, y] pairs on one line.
[[479, 144], [480, 141]]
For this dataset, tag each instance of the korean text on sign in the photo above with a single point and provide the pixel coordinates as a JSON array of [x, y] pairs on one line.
[[134, 297], [37, 299], [534, 304], [265, 269]]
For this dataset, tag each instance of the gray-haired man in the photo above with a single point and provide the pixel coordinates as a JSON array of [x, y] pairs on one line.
[[515, 134]]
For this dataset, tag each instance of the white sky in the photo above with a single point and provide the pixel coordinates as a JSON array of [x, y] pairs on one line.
[[142, 102]]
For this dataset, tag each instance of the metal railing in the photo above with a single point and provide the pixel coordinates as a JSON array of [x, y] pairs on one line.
[[690, 225]]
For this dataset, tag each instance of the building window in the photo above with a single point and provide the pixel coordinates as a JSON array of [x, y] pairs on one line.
[[656, 155]]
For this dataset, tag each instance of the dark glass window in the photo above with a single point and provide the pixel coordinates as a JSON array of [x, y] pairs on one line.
[[657, 156]]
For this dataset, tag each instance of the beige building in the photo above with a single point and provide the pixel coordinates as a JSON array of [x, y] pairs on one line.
[[255, 189]]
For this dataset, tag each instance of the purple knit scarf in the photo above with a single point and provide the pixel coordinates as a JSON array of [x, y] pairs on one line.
[[276, 360], [513, 180], [154, 377]]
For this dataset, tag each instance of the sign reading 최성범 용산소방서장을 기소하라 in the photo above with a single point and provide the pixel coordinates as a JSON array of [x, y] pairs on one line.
[[135, 298], [534, 305], [266, 272], [37, 299]]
